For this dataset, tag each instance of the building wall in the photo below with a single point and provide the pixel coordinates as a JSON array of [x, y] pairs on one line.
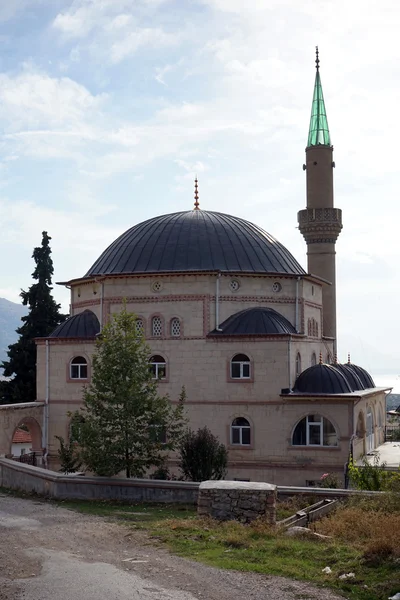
[[202, 365]]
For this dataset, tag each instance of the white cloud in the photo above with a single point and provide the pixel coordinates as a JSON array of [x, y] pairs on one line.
[[154, 37]]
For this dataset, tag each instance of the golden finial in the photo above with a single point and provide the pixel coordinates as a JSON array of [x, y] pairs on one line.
[[320, 358], [348, 359], [196, 195]]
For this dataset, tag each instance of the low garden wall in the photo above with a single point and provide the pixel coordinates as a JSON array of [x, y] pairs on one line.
[[26, 478]]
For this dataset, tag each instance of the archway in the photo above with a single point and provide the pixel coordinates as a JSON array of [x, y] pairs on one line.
[[361, 430], [13, 416], [26, 438], [370, 431]]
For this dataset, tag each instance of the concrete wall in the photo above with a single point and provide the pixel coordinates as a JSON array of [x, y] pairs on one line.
[[21, 477]]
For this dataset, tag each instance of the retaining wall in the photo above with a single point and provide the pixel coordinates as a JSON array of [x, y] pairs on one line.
[[22, 477]]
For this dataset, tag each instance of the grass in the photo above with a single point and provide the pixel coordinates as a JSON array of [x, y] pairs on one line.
[[365, 540]]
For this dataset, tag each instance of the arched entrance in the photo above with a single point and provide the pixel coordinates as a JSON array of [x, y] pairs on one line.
[[361, 431], [26, 439], [370, 431], [12, 416]]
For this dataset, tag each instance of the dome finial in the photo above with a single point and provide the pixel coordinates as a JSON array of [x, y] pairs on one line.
[[320, 358], [316, 58], [196, 195], [348, 359], [335, 359]]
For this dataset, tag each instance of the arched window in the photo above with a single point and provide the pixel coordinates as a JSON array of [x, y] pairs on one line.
[[313, 359], [298, 364], [78, 368], [240, 432], [240, 367], [360, 429], [316, 329], [158, 367], [175, 327], [314, 430], [156, 326], [309, 327], [139, 326]]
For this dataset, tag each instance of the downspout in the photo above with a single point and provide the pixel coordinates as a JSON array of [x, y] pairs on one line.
[[296, 325], [101, 281], [289, 362], [101, 304], [217, 327], [45, 434]]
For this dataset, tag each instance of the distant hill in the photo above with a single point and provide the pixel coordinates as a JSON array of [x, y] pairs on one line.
[[10, 319]]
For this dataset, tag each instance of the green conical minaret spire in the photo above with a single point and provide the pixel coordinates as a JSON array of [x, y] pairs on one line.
[[319, 131]]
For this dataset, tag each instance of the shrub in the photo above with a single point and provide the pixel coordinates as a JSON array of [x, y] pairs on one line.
[[329, 480], [202, 456]]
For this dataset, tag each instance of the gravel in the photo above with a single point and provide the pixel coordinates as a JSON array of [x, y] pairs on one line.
[[49, 552]]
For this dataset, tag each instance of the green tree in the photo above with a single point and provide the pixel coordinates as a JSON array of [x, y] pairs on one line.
[[43, 317], [202, 456], [68, 456], [124, 424]]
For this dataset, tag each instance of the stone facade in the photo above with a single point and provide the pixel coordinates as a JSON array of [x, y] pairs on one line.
[[202, 365], [234, 500]]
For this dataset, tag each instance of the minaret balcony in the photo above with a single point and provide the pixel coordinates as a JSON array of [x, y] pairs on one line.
[[320, 225]]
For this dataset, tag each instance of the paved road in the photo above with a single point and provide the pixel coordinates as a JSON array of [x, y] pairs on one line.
[[51, 553]]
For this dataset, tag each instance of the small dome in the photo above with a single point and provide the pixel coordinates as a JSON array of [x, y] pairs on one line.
[[255, 321], [195, 240], [82, 325], [364, 376], [354, 380], [322, 379]]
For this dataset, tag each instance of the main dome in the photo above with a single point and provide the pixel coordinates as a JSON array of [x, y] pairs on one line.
[[195, 240]]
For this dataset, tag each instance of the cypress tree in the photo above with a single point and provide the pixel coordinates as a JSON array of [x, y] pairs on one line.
[[43, 317]]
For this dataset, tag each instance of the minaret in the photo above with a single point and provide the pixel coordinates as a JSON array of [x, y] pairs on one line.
[[320, 223]]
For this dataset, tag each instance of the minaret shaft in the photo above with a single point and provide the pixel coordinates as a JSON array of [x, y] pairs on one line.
[[320, 223]]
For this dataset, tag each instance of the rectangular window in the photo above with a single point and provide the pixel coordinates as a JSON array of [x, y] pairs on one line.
[[314, 434], [235, 370], [246, 370], [246, 435], [74, 371], [235, 436]]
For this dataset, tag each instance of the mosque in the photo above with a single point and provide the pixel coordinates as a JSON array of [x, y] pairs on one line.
[[230, 314]]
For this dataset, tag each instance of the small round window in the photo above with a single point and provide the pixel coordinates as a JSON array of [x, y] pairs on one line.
[[157, 286], [234, 285], [276, 287]]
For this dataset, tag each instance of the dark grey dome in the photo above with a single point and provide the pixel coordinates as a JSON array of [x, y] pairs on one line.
[[322, 379], [362, 374], [82, 325], [255, 321], [354, 380], [195, 240]]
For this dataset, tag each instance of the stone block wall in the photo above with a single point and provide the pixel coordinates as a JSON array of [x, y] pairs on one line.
[[237, 500]]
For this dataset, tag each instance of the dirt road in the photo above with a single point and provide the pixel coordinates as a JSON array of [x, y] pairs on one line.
[[52, 553]]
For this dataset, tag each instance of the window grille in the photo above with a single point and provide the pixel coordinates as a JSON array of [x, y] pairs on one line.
[[175, 327], [139, 325], [157, 326]]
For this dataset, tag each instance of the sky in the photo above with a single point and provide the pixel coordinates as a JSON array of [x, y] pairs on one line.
[[109, 108]]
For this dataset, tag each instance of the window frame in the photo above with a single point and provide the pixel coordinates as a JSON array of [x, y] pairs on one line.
[[240, 429], [79, 365], [242, 364], [158, 365], [311, 427]]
